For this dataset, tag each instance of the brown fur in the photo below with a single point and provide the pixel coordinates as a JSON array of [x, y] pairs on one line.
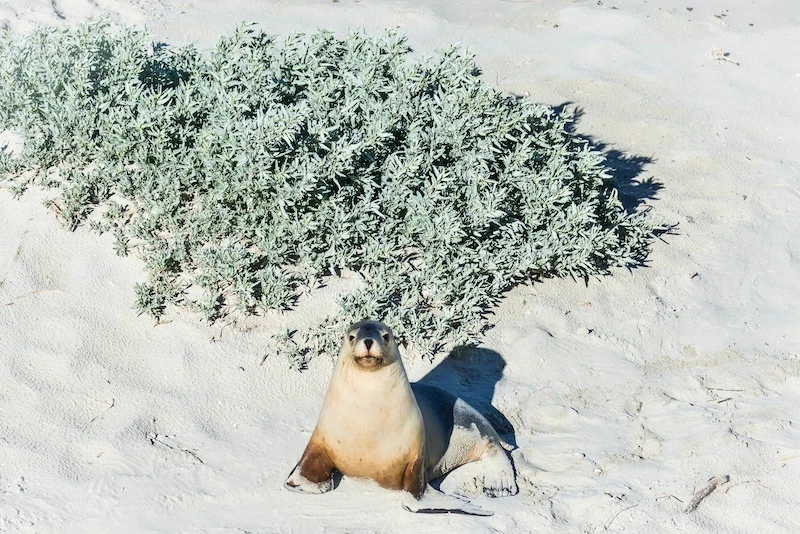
[[414, 477], [315, 464]]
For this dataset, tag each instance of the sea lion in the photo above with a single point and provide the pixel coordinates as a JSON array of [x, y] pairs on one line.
[[374, 424]]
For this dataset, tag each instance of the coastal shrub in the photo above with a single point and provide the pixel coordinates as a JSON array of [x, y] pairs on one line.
[[244, 175]]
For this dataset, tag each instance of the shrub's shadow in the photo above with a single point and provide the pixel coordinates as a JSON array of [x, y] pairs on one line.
[[626, 168], [471, 373]]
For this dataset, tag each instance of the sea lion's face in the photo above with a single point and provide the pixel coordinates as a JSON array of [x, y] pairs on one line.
[[370, 345]]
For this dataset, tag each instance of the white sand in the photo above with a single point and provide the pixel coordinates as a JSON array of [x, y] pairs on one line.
[[625, 397]]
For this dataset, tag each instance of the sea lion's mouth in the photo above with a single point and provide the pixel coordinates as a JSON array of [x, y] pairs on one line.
[[369, 360]]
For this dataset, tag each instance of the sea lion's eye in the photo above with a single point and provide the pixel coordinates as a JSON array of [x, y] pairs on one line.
[[386, 338], [352, 338]]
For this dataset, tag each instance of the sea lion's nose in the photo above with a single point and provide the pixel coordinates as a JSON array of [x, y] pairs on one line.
[[368, 342]]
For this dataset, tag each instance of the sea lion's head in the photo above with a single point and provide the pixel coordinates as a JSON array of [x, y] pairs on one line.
[[370, 345]]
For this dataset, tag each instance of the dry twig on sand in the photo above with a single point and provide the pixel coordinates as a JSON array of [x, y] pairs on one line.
[[721, 55], [713, 484], [28, 294], [101, 414], [613, 517], [170, 443]]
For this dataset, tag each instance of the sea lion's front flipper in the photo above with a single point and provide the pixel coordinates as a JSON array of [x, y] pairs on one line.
[[313, 473], [414, 477], [436, 502]]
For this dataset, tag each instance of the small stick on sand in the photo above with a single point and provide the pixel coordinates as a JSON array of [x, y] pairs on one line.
[[613, 517], [719, 54], [101, 414], [26, 295], [713, 484], [192, 454], [726, 490], [164, 440]]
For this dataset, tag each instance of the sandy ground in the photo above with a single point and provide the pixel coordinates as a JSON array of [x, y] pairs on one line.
[[624, 397]]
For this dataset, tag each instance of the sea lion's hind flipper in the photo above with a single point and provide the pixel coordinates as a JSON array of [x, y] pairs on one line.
[[492, 474], [436, 502], [313, 473]]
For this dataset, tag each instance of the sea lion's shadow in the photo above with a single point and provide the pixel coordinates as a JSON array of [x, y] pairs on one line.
[[472, 373]]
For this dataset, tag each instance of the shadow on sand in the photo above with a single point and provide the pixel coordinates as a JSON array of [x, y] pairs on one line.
[[625, 168], [472, 373]]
